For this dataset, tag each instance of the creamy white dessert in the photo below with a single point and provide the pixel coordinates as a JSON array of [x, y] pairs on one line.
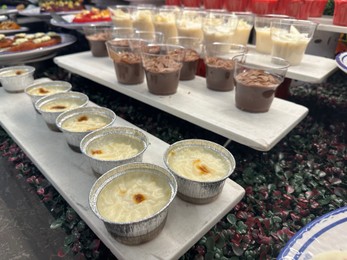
[[12, 73], [132, 197], [121, 19], [115, 147], [198, 163], [46, 90], [218, 29], [189, 24], [263, 42], [289, 45], [60, 105], [331, 255], [165, 23], [85, 122], [142, 20], [242, 33]]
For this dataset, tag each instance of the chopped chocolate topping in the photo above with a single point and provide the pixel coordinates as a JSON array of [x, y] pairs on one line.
[[220, 63], [257, 78], [161, 64]]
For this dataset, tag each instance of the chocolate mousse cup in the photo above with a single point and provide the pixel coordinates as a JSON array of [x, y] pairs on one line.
[[127, 62], [162, 64], [97, 37], [220, 65], [256, 80]]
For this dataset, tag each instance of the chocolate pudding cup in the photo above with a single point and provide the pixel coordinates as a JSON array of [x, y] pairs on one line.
[[162, 64], [220, 65], [192, 48], [127, 62], [256, 80], [97, 37]]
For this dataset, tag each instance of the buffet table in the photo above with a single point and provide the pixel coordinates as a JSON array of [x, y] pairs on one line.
[[66, 170], [195, 103]]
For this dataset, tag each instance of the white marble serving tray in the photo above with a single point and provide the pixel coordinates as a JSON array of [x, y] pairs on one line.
[[195, 103], [69, 172]]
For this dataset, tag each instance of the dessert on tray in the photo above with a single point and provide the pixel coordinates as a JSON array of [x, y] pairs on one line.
[[26, 42]]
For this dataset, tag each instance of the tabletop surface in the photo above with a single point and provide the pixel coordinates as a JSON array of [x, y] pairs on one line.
[[195, 103], [66, 169]]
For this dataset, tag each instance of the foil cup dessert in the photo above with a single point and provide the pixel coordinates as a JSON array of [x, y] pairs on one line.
[[192, 51], [200, 167], [38, 90], [113, 146], [220, 65], [50, 107], [16, 78], [77, 123], [162, 64], [256, 80], [133, 201], [126, 60]]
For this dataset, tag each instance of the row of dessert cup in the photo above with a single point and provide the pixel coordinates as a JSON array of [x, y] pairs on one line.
[[165, 65], [217, 26], [196, 170]]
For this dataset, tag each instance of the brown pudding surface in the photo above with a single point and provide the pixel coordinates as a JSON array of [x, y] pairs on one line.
[[255, 90], [219, 74]]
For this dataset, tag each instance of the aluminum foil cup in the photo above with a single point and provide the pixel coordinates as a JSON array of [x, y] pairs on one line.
[[78, 99], [38, 90], [16, 78], [193, 190], [74, 138], [98, 139], [141, 230]]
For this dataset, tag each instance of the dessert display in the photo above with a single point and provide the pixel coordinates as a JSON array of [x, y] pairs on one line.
[[17, 78], [255, 90], [85, 122], [61, 5], [9, 25], [162, 68], [26, 42], [127, 62], [132, 200], [290, 39], [132, 197], [97, 37], [92, 15], [200, 167], [219, 74]]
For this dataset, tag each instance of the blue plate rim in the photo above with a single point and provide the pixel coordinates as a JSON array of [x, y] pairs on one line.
[[340, 60]]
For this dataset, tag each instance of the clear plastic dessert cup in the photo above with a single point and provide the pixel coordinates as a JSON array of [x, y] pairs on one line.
[[142, 17], [150, 37], [189, 23], [219, 26], [243, 29], [97, 36], [120, 33], [126, 60], [162, 64], [290, 38], [121, 16], [165, 22], [220, 64], [192, 48], [262, 26], [16, 78], [257, 77]]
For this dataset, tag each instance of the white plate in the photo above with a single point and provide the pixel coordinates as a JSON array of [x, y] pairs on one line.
[[341, 61], [21, 29], [66, 39], [77, 26], [324, 234], [35, 12]]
